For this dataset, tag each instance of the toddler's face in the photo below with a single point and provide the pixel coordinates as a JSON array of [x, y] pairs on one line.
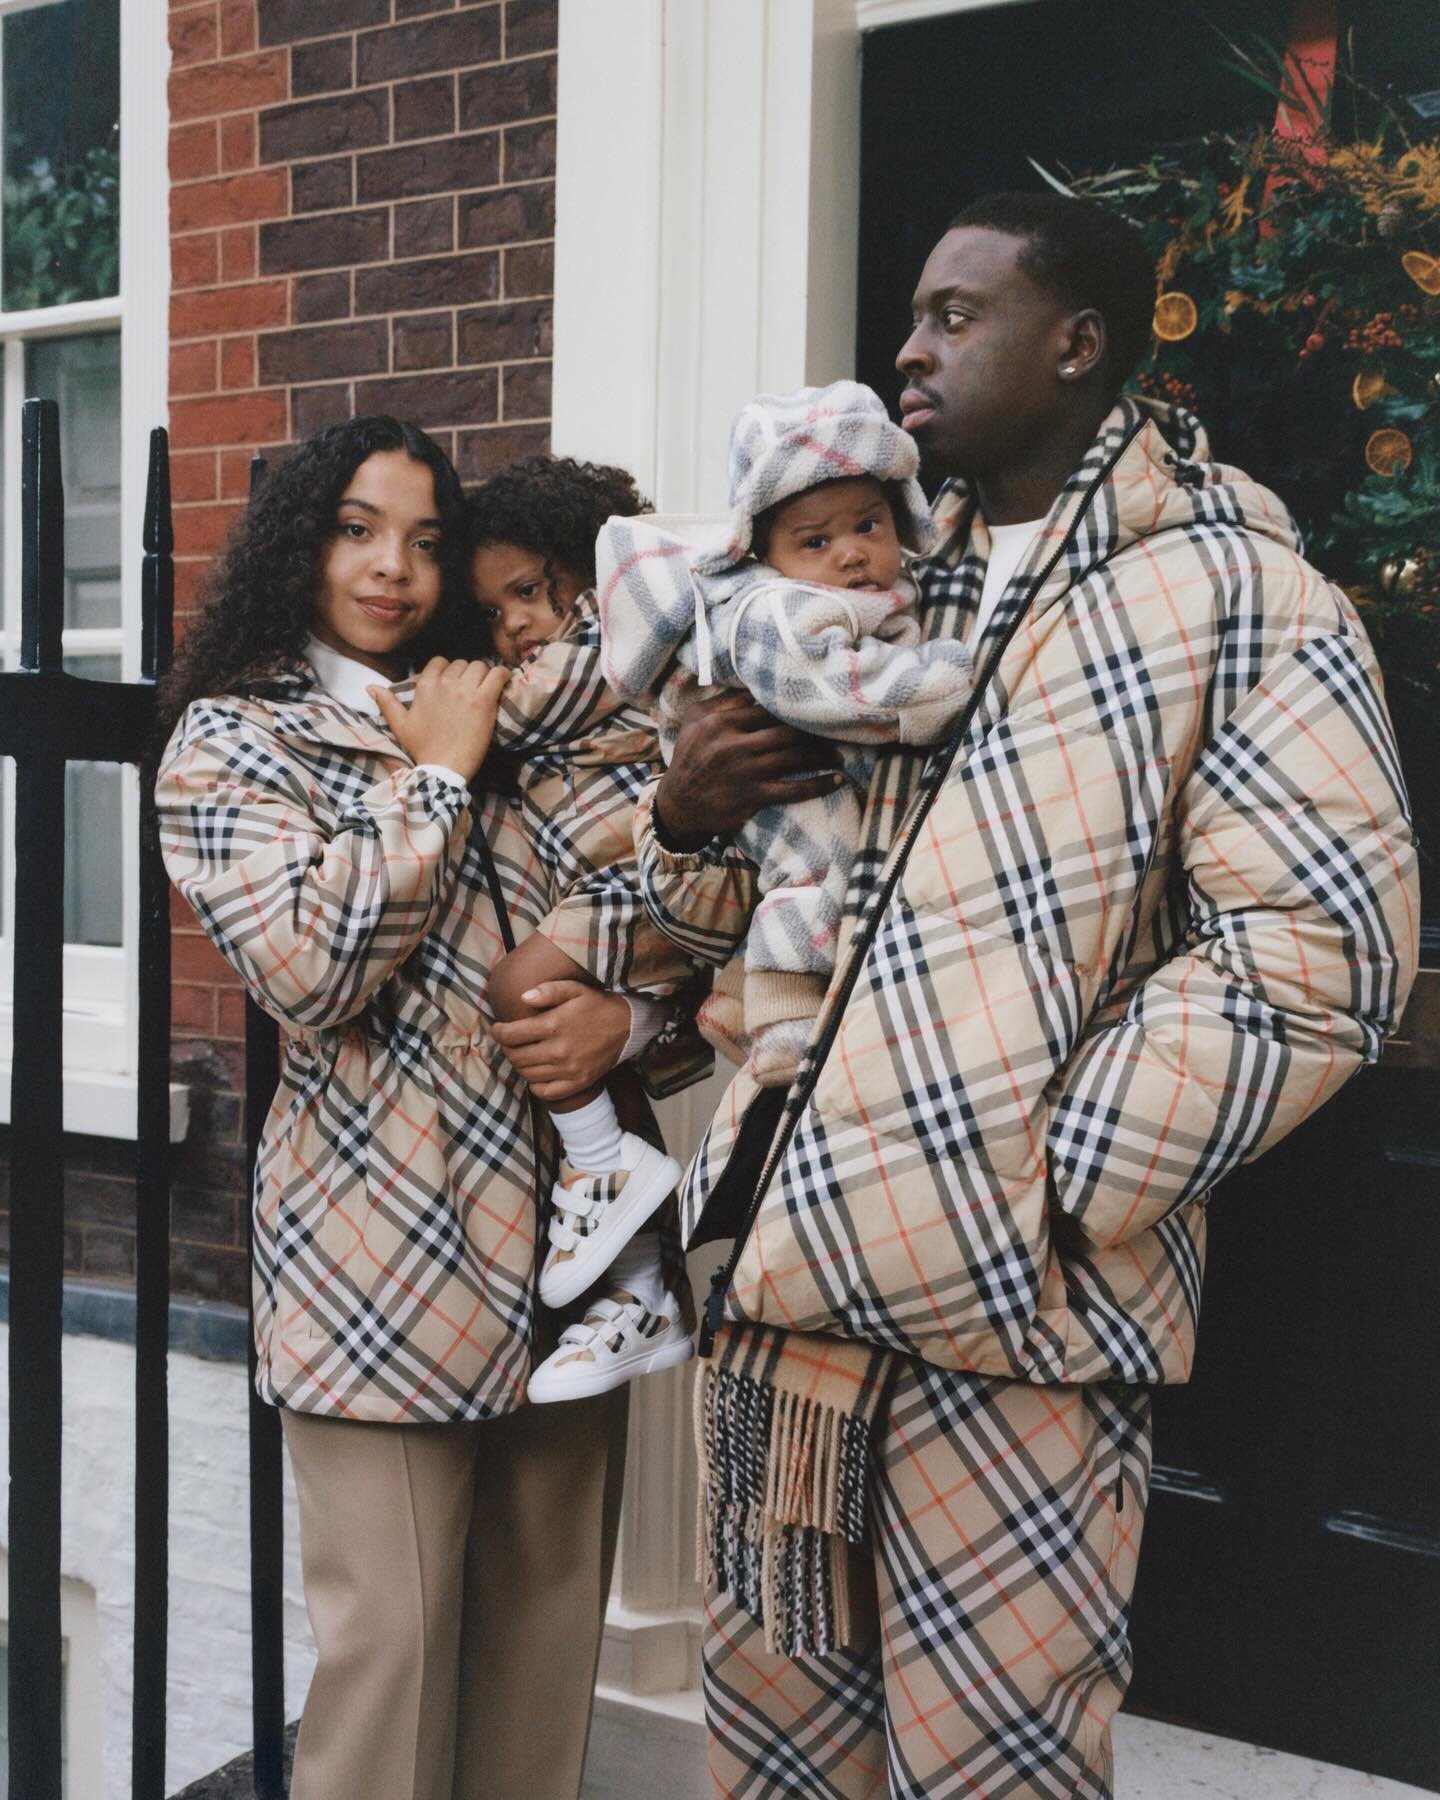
[[839, 535], [511, 588]]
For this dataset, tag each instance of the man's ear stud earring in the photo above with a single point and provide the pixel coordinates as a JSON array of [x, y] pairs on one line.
[[1069, 369]]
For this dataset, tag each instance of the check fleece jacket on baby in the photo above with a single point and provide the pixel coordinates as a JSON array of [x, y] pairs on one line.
[[839, 664], [680, 622]]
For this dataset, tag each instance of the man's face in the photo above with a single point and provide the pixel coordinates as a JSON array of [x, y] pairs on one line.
[[981, 364]]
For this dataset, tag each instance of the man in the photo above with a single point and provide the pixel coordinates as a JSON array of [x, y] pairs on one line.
[[1153, 904]]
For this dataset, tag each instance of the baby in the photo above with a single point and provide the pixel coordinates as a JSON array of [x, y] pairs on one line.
[[581, 755], [808, 605]]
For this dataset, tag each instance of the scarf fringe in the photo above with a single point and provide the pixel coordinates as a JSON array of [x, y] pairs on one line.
[[782, 1499]]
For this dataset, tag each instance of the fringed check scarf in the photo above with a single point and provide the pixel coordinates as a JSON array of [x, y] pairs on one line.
[[783, 1426]]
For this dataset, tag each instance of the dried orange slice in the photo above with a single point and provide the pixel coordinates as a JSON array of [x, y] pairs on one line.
[[1388, 451], [1423, 270], [1175, 317], [1368, 387]]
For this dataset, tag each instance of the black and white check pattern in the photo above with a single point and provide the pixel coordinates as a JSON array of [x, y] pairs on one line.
[[1164, 903], [395, 1202], [1005, 1525]]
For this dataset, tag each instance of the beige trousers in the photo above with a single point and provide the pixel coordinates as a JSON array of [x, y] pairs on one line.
[[456, 1578]]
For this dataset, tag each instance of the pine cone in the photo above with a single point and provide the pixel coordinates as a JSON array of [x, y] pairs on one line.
[[1391, 219]]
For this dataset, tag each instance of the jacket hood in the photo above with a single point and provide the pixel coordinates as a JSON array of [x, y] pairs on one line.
[[649, 602], [1161, 477], [783, 444]]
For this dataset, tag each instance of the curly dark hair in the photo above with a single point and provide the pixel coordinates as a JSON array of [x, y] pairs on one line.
[[553, 506], [259, 597]]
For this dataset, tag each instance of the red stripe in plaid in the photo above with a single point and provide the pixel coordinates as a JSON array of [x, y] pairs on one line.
[[1006, 1527]]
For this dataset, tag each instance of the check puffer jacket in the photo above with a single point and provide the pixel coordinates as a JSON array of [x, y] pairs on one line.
[[1153, 906], [396, 1191]]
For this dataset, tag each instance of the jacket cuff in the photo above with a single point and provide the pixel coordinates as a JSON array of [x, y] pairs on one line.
[[647, 826], [647, 1019], [444, 773]]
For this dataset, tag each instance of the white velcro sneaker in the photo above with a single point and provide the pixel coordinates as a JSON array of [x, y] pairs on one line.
[[596, 1216]]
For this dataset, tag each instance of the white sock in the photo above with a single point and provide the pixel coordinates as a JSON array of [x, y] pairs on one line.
[[637, 1270], [591, 1136]]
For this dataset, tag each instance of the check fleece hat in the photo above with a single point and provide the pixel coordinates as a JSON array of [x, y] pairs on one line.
[[783, 444]]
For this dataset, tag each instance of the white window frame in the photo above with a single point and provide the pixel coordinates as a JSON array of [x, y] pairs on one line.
[[101, 983], [83, 1747]]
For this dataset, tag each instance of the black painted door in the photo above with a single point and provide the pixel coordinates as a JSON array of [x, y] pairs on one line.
[[1290, 1582]]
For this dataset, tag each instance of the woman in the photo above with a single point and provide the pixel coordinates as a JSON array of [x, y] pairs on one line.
[[456, 1545]]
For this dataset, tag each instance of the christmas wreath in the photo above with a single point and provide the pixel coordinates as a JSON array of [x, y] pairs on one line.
[[1298, 313]]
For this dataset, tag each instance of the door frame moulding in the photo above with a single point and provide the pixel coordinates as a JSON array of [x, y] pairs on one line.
[[707, 202]]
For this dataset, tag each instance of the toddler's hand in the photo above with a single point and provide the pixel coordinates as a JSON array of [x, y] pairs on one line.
[[572, 1043]]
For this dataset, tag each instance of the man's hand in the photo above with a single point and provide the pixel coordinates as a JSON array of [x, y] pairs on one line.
[[731, 758], [451, 719], [570, 1046]]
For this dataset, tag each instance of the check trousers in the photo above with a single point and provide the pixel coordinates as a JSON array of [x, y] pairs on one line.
[[1005, 1528]]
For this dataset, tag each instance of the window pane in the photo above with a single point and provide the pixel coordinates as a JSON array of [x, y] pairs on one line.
[[93, 854], [83, 375], [94, 838], [62, 152]]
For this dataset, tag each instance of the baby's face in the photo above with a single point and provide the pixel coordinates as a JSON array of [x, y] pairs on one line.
[[510, 585], [839, 535]]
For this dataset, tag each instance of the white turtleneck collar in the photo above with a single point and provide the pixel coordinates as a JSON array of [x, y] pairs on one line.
[[344, 678]]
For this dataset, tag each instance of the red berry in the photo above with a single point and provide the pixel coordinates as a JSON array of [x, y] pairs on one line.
[[1314, 343]]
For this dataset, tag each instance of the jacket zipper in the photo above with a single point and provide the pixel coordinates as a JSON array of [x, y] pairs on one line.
[[930, 784]]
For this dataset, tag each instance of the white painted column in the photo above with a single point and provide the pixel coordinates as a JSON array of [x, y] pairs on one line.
[[707, 199], [707, 195]]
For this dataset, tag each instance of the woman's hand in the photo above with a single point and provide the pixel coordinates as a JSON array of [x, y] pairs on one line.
[[572, 1044], [451, 719], [731, 758]]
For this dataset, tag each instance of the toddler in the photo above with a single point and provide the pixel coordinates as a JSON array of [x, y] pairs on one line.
[[580, 755], [808, 605]]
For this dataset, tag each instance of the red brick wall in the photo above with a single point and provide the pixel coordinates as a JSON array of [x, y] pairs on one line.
[[361, 213]]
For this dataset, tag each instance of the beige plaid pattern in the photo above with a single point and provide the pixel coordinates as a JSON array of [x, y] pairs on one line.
[[1005, 1528], [396, 1192], [583, 755], [1161, 903]]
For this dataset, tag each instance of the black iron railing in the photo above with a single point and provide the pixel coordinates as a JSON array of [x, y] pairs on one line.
[[267, 1527], [47, 719]]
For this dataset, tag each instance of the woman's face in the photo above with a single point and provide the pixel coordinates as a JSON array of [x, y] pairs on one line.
[[512, 589], [380, 577]]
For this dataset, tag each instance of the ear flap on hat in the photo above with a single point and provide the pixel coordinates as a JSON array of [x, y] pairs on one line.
[[914, 523]]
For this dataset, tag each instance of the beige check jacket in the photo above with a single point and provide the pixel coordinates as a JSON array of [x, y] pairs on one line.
[[1149, 911], [395, 1195]]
